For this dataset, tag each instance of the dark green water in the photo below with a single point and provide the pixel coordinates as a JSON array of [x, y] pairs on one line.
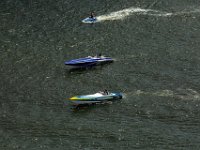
[[157, 68]]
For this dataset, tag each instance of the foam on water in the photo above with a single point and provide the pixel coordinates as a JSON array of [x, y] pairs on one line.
[[121, 14], [118, 15], [187, 12], [183, 94]]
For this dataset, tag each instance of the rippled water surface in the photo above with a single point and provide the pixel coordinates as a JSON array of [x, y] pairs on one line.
[[157, 68]]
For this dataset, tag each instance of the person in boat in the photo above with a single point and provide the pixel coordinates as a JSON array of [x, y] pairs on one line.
[[92, 15], [105, 92], [98, 56]]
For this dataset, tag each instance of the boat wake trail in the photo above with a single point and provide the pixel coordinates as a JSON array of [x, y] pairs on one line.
[[185, 12], [119, 15], [183, 94]]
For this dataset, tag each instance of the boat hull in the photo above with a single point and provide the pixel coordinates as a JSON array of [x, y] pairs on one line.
[[88, 62], [82, 65], [95, 98], [89, 20]]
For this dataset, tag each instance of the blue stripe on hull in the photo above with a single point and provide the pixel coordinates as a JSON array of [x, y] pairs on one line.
[[85, 62]]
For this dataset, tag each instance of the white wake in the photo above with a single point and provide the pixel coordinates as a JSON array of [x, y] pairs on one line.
[[118, 15], [121, 14], [183, 94]]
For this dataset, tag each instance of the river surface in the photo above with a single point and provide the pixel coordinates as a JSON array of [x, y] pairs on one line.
[[156, 45]]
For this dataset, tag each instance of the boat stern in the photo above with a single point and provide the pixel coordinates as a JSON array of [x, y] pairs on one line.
[[118, 95]]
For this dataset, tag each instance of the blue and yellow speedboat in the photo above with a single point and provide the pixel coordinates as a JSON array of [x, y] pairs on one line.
[[100, 97]]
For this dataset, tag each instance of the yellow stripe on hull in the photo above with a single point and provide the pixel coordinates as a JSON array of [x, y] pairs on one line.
[[76, 98]]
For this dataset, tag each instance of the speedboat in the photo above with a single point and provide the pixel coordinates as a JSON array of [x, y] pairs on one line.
[[88, 61], [99, 97], [89, 20]]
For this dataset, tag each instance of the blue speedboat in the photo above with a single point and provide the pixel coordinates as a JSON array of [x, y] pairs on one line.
[[100, 97], [89, 20], [88, 61]]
